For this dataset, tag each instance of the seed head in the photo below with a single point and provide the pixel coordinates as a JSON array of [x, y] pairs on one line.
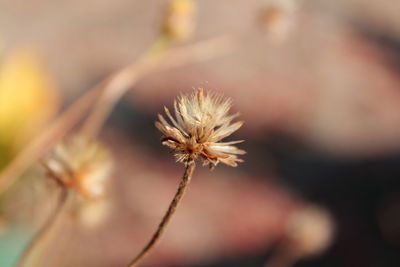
[[201, 122], [81, 163]]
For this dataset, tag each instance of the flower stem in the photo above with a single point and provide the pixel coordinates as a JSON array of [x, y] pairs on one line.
[[168, 215], [45, 229], [114, 89], [159, 57]]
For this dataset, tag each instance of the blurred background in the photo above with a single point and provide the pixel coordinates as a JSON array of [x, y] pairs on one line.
[[316, 83]]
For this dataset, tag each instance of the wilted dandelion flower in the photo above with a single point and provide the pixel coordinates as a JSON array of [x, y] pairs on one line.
[[201, 122], [82, 164]]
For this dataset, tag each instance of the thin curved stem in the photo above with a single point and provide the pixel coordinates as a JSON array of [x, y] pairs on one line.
[[168, 215], [114, 88], [120, 82], [44, 230]]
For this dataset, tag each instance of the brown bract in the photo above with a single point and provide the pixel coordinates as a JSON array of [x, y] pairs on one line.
[[201, 122]]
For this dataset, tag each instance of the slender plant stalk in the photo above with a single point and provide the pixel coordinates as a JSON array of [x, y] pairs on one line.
[[115, 87], [168, 215], [40, 236], [120, 82]]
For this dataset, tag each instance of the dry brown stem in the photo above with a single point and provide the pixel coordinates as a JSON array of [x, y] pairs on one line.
[[120, 82], [168, 215]]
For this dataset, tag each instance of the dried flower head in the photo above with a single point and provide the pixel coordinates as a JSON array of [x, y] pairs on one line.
[[81, 163], [201, 122]]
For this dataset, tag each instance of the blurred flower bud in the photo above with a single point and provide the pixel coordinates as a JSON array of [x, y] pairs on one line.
[[179, 21], [82, 164], [309, 231], [277, 17]]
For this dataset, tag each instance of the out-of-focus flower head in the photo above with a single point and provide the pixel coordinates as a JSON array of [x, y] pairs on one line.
[[179, 20], [277, 18], [83, 164], [27, 100], [309, 231], [201, 122]]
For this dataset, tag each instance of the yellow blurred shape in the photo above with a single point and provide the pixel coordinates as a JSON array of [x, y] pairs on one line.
[[182, 7], [27, 98], [179, 22]]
